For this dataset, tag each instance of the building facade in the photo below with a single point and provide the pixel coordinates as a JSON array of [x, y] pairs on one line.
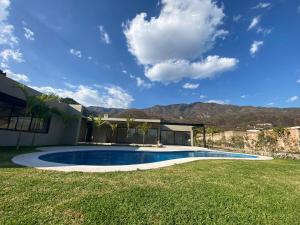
[[159, 132], [50, 131], [55, 131]]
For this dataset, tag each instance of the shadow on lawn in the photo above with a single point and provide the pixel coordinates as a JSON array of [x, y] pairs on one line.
[[7, 153]]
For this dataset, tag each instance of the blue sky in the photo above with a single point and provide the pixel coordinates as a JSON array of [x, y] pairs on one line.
[[139, 53]]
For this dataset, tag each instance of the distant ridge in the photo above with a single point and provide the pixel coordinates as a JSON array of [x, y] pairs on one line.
[[222, 116]]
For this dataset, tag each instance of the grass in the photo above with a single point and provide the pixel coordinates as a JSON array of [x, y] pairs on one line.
[[203, 192]]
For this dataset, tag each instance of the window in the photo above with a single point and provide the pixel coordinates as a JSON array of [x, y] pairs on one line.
[[12, 116], [167, 137], [5, 112]]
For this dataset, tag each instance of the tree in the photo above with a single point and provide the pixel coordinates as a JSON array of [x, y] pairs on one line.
[[281, 132], [41, 110], [113, 127], [212, 131], [129, 123], [266, 140], [30, 103], [144, 127], [97, 121]]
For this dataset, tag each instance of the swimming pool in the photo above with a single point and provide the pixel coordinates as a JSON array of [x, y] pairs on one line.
[[111, 158], [120, 158]]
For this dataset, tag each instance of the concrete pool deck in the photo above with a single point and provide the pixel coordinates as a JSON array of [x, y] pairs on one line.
[[32, 159]]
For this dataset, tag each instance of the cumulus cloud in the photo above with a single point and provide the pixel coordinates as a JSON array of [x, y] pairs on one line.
[[76, 53], [237, 18], [255, 47], [139, 81], [17, 76], [29, 34], [190, 86], [168, 71], [221, 102], [255, 21], [194, 23], [142, 83], [7, 36], [293, 98], [104, 35], [262, 5], [10, 54], [97, 95], [4, 4]]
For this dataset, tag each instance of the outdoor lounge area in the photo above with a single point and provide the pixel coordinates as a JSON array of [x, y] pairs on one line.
[[159, 132]]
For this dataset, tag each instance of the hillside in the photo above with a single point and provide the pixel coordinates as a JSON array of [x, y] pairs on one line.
[[222, 116]]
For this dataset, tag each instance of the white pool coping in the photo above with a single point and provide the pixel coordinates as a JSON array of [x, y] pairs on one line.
[[32, 159]]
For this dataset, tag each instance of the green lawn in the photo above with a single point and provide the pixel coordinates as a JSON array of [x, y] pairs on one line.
[[203, 192]]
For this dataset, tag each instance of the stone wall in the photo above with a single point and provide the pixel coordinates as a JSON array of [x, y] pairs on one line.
[[267, 142]]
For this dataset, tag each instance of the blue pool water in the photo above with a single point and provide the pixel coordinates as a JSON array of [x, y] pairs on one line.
[[110, 158]]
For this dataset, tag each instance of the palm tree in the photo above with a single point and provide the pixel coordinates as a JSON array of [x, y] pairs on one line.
[[144, 127], [129, 123], [41, 109], [113, 127], [30, 103], [97, 122]]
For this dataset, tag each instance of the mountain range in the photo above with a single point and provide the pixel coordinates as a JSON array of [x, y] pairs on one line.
[[225, 117]]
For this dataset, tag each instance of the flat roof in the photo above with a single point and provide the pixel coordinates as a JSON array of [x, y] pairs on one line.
[[160, 121], [135, 120]]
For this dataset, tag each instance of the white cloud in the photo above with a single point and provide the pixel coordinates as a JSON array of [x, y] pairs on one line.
[[142, 83], [255, 21], [104, 35], [190, 86], [17, 76], [293, 98], [104, 96], [194, 23], [264, 31], [221, 102], [202, 96], [255, 47], [29, 35], [4, 4], [77, 53], [8, 54], [298, 9], [270, 104], [298, 81], [244, 96], [3, 65], [69, 85], [168, 71], [262, 5], [90, 58], [7, 36], [237, 18], [124, 71]]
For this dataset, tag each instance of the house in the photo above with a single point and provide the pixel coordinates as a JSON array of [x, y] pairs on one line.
[[51, 131], [55, 131], [160, 132]]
